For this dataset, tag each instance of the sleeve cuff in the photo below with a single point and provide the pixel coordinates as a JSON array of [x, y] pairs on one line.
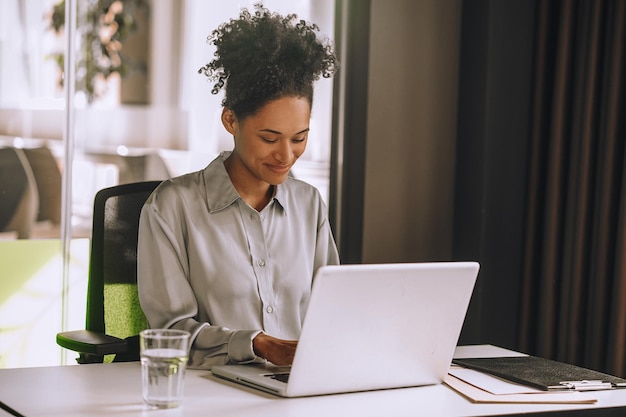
[[240, 346]]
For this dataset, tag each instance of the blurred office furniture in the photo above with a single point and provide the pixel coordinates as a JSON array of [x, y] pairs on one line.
[[47, 174], [114, 317], [48, 179], [19, 201], [147, 167], [137, 165]]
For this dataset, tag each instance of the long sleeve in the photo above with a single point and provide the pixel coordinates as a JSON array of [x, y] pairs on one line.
[[168, 300]]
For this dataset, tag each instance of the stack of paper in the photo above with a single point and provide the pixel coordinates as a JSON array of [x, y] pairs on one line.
[[479, 387]]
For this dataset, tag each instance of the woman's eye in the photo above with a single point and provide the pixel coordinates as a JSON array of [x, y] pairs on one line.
[[294, 140]]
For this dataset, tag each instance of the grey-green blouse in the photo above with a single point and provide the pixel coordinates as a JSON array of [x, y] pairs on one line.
[[211, 264]]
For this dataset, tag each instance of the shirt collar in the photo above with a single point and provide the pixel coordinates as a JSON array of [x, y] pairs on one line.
[[221, 192], [280, 196]]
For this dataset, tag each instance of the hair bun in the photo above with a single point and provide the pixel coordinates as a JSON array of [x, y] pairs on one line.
[[263, 55]]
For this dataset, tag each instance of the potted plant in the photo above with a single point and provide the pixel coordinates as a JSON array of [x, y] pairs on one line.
[[102, 28]]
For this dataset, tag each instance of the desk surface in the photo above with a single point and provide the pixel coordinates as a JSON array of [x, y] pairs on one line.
[[115, 389]]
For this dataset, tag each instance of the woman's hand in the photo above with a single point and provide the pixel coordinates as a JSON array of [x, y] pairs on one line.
[[278, 351]]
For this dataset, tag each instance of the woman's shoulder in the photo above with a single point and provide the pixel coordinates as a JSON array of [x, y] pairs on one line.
[[301, 194], [174, 190], [300, 187], [180, 184]]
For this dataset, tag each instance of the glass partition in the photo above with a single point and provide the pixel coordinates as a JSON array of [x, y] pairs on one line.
[[138, 111]]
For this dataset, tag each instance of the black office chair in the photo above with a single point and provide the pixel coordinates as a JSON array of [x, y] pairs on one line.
[[114, 316]]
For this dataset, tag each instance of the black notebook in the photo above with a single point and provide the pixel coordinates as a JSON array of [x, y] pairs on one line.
[[544, 374]]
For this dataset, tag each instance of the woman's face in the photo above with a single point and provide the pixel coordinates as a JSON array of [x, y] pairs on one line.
[[268, 143]]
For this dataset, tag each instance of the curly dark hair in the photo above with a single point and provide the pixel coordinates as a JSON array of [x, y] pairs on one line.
[[263, 56]]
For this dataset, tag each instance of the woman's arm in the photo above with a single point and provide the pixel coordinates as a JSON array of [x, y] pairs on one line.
[[168, 300]]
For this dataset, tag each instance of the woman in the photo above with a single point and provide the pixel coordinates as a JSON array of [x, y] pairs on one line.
[[229, 252]]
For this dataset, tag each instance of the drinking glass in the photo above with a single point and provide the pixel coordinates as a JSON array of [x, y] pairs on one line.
[[164, 354]]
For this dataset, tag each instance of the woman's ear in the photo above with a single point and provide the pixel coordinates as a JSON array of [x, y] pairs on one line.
[[229, 120]]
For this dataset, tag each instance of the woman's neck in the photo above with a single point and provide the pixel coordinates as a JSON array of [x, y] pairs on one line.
[[256, 193]]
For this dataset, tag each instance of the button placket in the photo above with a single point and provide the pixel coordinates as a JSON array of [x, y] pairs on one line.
[[259, 257]]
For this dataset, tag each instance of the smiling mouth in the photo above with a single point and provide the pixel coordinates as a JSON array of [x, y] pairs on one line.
[[279, 169]]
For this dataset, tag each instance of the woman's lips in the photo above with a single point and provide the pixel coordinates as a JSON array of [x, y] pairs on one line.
[[279, 169]]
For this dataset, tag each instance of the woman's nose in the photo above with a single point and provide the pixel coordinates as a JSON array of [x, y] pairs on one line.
[[284, 152]]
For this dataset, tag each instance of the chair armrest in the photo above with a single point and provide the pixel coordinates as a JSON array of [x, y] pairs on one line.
[[92, 343]]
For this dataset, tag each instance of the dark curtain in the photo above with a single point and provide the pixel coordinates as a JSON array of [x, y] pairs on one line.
[[574, 269]]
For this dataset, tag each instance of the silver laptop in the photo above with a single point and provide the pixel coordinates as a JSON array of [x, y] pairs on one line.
[[371, 327]]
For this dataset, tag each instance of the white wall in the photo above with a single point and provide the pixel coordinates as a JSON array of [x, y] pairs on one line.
[[411, 130]]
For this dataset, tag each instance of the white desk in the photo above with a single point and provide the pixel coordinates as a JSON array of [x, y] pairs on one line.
[[115, 390]]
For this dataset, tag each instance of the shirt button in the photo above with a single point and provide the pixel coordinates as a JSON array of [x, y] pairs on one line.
[[261, 263], [269, 309]]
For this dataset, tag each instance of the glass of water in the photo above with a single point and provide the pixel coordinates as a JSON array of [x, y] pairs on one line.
[[164, 354]]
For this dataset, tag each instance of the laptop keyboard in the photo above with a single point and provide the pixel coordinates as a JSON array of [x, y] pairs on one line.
[[283, 377]]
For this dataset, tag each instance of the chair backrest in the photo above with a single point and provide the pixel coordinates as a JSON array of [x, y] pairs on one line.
[[48, 178], [112, 301], [19, 202]]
